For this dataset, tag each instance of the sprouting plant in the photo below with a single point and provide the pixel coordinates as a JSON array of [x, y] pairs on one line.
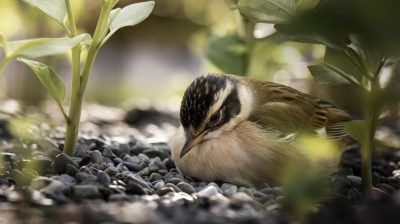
[[361, 40], [109, 21]]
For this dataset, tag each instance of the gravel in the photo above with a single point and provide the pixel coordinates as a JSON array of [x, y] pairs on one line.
[[133, 180]]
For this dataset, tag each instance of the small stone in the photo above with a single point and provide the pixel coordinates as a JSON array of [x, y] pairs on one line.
[[111, 171], [165, 190], [71, 170], [176, 188], [132, 166], [170, 164], [240, 198], [228, 189], [386, 187], [60, 162], [174, 180], [85, 191], [137, 180], [159, 185], [134, 188], [155, 177], [187, 188], [103, 178], [354, 195], [96, 157], [152, 153], [66, 179], [121, 167], [354, 180], [208, 192]]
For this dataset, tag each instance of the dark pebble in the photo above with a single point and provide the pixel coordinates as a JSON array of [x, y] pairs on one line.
[[174, 180], [96, 157], [60, 162], [187, 188], [85, 192], [132, 166], [228, 189], [165, 190], [111, 171], [71, 170], [103, 178], [155, 177]]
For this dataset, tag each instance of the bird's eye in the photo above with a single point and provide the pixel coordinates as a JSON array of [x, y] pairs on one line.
[[214, 119]]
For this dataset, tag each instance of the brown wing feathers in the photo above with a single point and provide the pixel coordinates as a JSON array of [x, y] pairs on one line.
[[286, 106]]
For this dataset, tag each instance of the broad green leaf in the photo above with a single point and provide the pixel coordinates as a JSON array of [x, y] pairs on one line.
[[130, 15], [113, 14], [55, 9], [227, 53], [345, 61], [267, 11], [356, 129], [43, 46], [325, 75], [52, 82]]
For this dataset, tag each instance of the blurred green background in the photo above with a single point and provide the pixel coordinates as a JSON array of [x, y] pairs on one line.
[[153, 62]]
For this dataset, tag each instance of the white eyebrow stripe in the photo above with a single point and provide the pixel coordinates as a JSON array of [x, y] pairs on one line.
[[220, 97]]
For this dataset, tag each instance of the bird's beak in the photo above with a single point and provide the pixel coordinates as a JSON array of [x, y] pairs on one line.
[[191, 141]]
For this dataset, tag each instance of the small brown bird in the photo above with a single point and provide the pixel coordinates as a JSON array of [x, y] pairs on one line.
[[239, 130]]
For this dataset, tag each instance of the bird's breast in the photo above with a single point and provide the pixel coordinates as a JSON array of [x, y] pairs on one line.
[[244, 155]]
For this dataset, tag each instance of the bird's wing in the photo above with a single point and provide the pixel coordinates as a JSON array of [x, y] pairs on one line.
[[286, 110]]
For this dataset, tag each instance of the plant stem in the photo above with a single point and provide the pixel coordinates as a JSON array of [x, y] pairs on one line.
[[79, 82], [249, 37], [371, 120], [73, 120]]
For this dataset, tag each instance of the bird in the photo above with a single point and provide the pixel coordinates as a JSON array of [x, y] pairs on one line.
[[240, 130]]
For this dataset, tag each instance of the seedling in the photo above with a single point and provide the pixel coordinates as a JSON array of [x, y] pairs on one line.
[[109, 21]]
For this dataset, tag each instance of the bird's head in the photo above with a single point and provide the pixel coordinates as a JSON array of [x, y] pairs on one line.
[[212, 105]]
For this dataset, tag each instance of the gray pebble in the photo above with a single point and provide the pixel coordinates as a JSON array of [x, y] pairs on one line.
[[173, 180], [103, 178], [165, 190], [187, 188], [155, 177], [60, 162], [85, 191], [111, 171], [228, 189], [96, 157], [132, 166], [354, 180], [208, 192]]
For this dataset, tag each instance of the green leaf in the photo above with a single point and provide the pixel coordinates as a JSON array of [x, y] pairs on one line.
[[113, 14], [326, 75], [344, 60], [267, 11], [52, 82], [356, 129], [44, 46], [228, 53], [129, 15], [55, 9]]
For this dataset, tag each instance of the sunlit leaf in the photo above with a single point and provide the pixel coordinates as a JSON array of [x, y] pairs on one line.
[[326, 75], [113, 14], [43, 46], [55, 9], [130, 15], [344, 60], [227, 53], [52, 82], [356, 129], [267, 11]]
